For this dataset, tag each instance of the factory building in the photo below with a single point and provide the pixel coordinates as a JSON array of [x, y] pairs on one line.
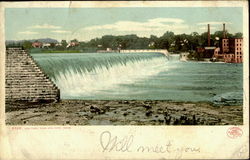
[[230, 50]]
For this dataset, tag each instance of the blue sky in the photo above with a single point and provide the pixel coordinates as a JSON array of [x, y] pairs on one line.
[[87, 23]]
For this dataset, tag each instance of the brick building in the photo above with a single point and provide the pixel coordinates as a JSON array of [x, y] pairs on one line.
[[236, 48], [37, 44], [230, 50]]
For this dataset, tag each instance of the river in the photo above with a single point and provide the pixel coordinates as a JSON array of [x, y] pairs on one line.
[[142, 76]]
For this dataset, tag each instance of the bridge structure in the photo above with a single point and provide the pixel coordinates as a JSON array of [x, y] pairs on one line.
[[162, 51]]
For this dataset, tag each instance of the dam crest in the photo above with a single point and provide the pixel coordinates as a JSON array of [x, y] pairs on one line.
[[162, 51]]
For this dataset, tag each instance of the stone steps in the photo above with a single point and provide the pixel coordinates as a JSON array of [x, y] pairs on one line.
[[25, 77], [49, 94], [25, 80], [24, 84], [30, 86]]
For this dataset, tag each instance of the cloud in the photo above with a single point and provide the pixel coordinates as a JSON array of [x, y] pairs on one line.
[[61, 31], [45, 26], [214, 23], [205, 28], [157, 24], [167, 20], [28, 32]]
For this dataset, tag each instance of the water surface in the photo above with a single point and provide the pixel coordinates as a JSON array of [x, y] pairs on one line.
[[141, 76]]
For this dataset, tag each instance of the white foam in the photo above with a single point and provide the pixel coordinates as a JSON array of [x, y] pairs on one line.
[[74, 83]]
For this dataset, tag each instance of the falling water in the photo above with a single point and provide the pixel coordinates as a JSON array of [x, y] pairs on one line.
[[142, 76]]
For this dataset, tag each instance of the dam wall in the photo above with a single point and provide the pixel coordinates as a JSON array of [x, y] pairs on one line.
[[25, 81], [162, 51]]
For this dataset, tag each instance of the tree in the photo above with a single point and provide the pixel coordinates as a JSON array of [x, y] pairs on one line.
[[203, 40], [74, 40], [194, 40], [238, 35], [166, 40], [52, 45], [27, 45], [64, 43]]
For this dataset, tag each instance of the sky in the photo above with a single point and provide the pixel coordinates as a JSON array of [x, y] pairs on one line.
[[87, 23]]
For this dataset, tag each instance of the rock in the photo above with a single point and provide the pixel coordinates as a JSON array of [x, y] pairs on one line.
[[167, 120], [160, 111], [165, 113], [107, 108], [223, 99], [147, 106], [149, 113], [90, 117], [194, 121], [133, 123], [51, 111], [125, 102], [153, 121], [125, 114], [94, 109], [176, 122], [160, 120], [101, 112], [84, 118]]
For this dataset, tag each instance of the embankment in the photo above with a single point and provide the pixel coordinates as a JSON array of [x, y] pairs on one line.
[[120, 112], [25, 81]]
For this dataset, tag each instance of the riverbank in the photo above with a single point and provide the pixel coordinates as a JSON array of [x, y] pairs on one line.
[[120, 112]]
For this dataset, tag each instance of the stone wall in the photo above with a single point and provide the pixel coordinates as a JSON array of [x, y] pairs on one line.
[[25, 81]]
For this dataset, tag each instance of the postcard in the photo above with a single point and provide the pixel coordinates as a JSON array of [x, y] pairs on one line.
[[124, 80]]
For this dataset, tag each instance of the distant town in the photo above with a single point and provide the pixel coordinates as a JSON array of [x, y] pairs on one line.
[[220, 46]]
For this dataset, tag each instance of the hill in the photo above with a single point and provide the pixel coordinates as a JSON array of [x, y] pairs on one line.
[[43, 40]]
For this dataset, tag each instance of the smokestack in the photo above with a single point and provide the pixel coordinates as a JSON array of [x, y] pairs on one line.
[[208, 35], [224, 31]]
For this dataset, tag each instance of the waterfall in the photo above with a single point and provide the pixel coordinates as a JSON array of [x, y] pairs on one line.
[[84, 75]]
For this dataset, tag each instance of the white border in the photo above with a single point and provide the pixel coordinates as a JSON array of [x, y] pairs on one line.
[[82, 142]]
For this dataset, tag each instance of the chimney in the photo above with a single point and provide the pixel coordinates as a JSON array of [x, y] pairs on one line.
[[208, 35], [224, 31]]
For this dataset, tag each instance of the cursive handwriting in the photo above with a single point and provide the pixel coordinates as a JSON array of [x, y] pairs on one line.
[[156, 149], [110, 143], [113, 143]]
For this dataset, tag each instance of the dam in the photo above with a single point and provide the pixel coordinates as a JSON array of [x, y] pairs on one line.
[[162, 51], [128, 75], [141, 75]]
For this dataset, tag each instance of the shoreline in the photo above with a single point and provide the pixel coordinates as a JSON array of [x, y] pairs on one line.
[[122, 112]]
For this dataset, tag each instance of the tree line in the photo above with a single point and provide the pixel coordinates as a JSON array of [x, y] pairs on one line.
[[170, 41]]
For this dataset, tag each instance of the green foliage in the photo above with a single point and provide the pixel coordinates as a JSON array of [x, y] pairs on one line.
[[170, 41], [27, 45], [64, 43], [238, 35]]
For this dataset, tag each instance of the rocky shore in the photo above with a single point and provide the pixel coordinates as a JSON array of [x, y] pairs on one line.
[[120, 112]]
